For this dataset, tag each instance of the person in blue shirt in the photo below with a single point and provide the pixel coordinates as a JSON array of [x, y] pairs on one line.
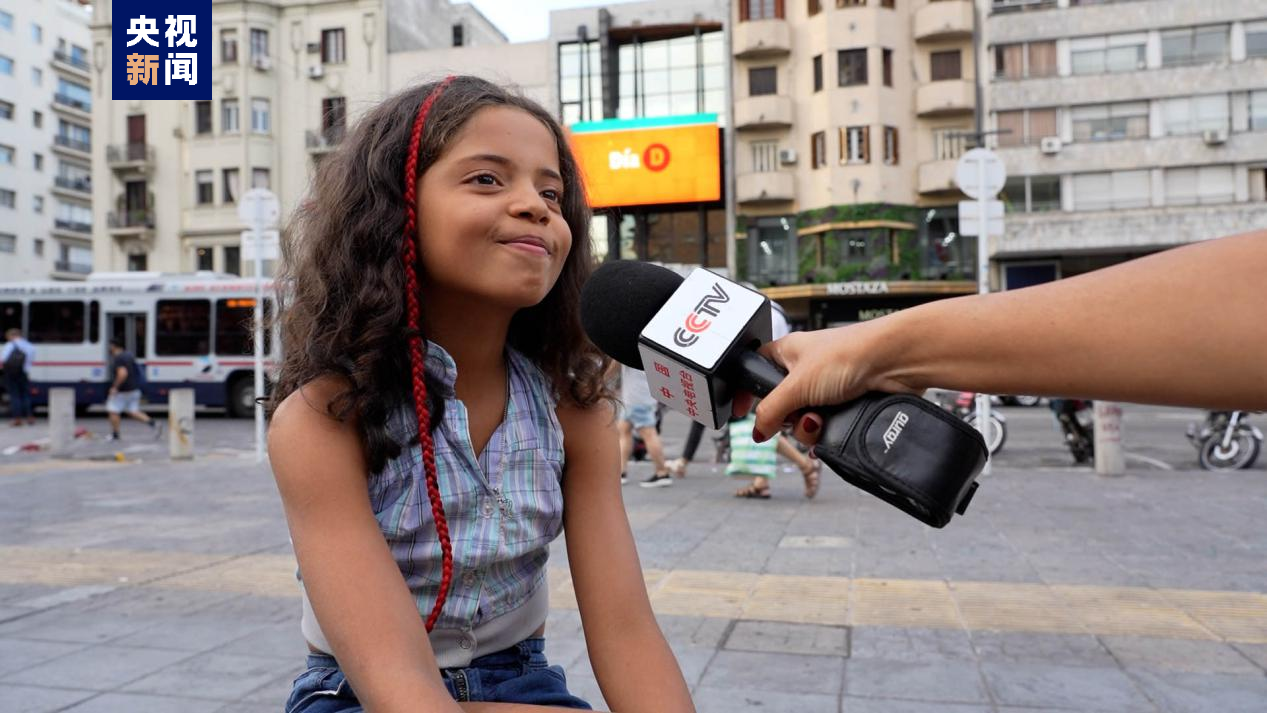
[[16, 357]]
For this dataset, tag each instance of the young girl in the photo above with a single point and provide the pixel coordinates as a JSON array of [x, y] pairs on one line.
[[440, 417]]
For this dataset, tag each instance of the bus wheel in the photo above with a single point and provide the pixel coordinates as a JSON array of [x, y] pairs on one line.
[[242, 398]]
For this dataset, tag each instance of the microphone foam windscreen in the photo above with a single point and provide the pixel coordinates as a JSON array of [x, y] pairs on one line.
[[618, 301]]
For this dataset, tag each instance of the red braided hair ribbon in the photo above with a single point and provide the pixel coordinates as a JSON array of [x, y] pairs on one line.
[[416, 353]]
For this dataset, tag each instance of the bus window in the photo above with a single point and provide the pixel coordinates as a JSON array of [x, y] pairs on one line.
[[234, 331], [184, 327], [10, 317], [56, 323], [94, 321]]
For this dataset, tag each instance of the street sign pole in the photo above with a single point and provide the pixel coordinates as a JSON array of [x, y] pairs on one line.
[[258, 209], [983, 287]]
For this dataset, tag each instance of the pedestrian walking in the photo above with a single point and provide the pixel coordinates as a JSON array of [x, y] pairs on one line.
[[124, 396], [16, 357], [638, 413]]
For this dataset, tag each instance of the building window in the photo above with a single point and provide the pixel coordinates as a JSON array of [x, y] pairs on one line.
[[851, 66], [890, 4], [37, 203], [762, 80], [760, 10], [1194, 45], [261, 122], [233, 260], [946, 65], [7, 155], [1200, 185], [669, 77], [8, 199], [1110, 122], [581, 82], [818, 73], [37, 162], [334, 117], [890, 146], [815, 7], [459, 34], [855, 144], [1193, 115], [1024, 127], [1111, 53], [1035, 59], [229, 187], [1256, 39], [260, 178], [6, 110], [6, 20], [1009, 61], [8, 243], [1032, 194], [6, 65], [73, 94], [202, 117], [765, 156], [229, 46], [39, 247], [229, 116], [333, 47], [37, 119], [886, 56], [1116, 190], [204, 190], [138, 263], [204, 258], [259, 44], [37, 76], [851, 3], [37, 34], [1258, 110], [183, 326], [818, 148]]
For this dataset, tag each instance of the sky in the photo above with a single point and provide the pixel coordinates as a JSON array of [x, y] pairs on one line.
[[528, 20]]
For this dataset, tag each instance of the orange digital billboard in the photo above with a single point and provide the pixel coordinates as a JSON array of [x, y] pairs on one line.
[[627, 162]]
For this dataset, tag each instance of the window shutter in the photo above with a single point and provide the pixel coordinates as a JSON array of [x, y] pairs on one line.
[[866, 144], [743, 10]]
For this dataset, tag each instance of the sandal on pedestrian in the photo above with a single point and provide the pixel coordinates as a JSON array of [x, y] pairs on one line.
[[677, 467], [753, 491], [812, 478]]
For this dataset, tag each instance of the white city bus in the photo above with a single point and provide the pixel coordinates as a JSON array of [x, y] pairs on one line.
[[186, 331]]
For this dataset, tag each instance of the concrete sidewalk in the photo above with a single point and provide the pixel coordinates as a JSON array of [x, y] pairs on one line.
[[155, 586]]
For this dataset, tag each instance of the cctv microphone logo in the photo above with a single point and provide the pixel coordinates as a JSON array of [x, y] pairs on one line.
[[696, 323], [895, 429]]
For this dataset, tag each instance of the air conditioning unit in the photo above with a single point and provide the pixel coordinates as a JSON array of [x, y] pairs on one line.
[[1050, 145], [316, 71], [1214, 137], [263, 63], [787, 157]]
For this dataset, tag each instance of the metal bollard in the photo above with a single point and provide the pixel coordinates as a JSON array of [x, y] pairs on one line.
[[1110, 459], [180, 424], [61, 420]]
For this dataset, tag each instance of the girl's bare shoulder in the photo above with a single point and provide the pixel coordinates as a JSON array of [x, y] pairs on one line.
[[302, 425]]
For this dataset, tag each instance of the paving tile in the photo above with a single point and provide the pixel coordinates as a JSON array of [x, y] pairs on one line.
[[741, 670], [1256, 653], [282, 641], [187, 634], [942, 682], [1080, 688], [781, 638], [57, 625], [17, 654], [274, 692], [1204, 693], [35, 699], [894, 705], [724, 700], [99, 668], [914, 645], [1179, 655], [225, 677], [131, 703]]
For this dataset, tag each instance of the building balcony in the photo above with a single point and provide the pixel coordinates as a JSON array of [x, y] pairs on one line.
[[73, 147], [764, 112], [945, 98], [71, 106], [136, 221], [75, 187], [937, 176], [74, 66], [762, 38], [122, 157], [765, 188], [66, 270], [945, 20], [319, 142], [72, 229]]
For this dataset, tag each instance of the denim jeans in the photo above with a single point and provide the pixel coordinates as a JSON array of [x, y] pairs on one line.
[[19, 388], [519, 674]]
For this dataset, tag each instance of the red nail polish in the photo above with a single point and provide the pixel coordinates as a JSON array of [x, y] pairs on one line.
[[758, 436], [809, 425]]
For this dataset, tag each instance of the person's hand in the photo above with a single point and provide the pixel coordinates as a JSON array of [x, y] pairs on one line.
[[825, 368]]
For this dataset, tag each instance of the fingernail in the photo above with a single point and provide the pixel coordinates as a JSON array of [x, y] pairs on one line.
[[757, 435], [809, 425]]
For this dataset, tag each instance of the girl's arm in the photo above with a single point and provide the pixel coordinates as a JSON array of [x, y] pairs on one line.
[[354, 584], [632, 662]]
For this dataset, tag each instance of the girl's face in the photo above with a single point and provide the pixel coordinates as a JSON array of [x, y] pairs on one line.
[[490, 225]]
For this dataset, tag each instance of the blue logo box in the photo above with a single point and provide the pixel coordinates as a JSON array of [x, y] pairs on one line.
[[161, 49]]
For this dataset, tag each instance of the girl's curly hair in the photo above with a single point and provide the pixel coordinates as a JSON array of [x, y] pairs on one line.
[[341, 289]]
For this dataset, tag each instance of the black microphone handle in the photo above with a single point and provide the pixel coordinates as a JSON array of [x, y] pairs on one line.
[[751, 372]]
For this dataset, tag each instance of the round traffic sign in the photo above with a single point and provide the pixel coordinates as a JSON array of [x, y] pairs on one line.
[[980, 173], [259, 208]]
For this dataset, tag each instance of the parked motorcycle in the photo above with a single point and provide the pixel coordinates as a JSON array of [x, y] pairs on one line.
[[1226, 441], [1074, 417]]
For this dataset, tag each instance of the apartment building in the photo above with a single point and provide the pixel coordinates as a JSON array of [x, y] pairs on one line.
[[45, 141], [287, 77], [1126, 126]]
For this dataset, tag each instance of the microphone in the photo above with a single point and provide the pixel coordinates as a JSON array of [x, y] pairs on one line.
[[696, 339]]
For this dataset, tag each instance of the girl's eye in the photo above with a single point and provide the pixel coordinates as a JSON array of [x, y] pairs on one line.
[[551, 195], [485, 179]]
